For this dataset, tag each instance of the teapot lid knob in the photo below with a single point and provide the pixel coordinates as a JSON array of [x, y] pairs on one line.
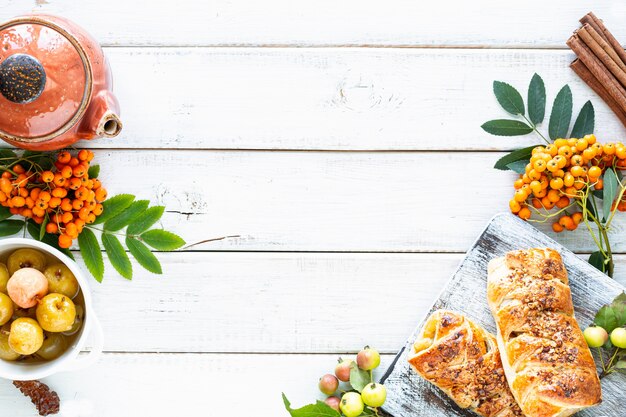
[[22, 78]]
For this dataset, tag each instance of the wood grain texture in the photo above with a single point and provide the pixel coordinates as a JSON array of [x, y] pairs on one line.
[[409, 395], [326, 201], [148, 385], [330, 98], [352, 22]]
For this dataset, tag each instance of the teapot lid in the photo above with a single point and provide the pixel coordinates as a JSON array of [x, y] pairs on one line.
[[45, 80]]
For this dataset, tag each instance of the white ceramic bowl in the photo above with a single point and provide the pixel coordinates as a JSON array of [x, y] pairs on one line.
[[69, 361]]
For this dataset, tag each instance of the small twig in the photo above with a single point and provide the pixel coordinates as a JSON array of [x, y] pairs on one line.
[[209, 240]]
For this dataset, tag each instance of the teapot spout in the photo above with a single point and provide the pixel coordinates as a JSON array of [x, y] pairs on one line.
[[102, 119]]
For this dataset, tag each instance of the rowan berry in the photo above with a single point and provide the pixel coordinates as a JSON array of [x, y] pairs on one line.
[[83, 213], [101, 193], [23, 192], [5, 186], [599, 184], [64, 157], [73, 162], [66, 204], [3, 197], [80, 224], [576, 171], [59, 192], [595, 172], [589, 154], [74, 184], [570, 192], [577, 160], [552, 165], [77, 204], [568, 179], [537, 150], [71, 230], [18, 201], [59, 180], [79, 170], [567, 222], [565, 151], [557, 227], [540, 165], [560, 173], [99, 208], [83, 155], [518, 184], [553, 196], [65, 241], [18, 169], [535, 186], [66, 172], [591, 138], [577, 217], [54, 202], [609, 148], [524, 213], [47, 176], [621, 206], [91, 218], [556, 183], [560, 142], [546, 203], [38, 211], [582, 144], [598, 148], [81, 193], [620, 152], [30, 203], [563, 202], [67, 217], [52, 228]]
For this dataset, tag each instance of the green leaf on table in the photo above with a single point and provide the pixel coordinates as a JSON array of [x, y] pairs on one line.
[[94, 171], [5, 213], [145, 220], [358, 377], [509, 98], [621, 365], [585, 121], [597, 260], [127, 216], [619, 309], [10, 227], [162, 240], [536, 100], [114, 206], [589, 205], [51, 240], [144, 256], [506, 127], [561, 115], [42, 228], [319, 409], [523, 154], [518, 166], [606, 318], [7, 154], [609, 192], [117, 255], [90, 250]]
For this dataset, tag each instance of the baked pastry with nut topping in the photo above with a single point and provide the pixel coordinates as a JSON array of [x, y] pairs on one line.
[[548, 365], [462, 359]]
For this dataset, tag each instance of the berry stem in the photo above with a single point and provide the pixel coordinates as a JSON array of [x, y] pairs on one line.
[[535, 129]]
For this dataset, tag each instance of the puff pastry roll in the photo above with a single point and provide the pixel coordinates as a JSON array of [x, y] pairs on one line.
[[462, 359], [547, 363]]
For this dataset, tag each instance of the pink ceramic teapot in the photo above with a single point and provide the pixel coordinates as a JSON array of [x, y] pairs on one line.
[[55, 84]]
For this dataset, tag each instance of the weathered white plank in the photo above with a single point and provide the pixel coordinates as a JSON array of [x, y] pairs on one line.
[[534, 23], [325, 201], [329, 98], [152, 385], [280, 302]]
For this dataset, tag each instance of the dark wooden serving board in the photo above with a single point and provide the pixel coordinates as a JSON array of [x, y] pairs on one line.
[[408, 395]]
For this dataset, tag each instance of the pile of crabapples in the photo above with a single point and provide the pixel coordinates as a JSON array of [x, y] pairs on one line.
[[352, 403], [597, 336]]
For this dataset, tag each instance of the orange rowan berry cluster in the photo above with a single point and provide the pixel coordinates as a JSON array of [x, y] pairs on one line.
[[64, 197], [559, 173]]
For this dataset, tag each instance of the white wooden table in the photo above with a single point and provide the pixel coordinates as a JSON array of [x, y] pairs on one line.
[[341, 141]]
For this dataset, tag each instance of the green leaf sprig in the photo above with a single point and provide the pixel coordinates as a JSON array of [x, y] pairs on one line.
[[558, 126], [610, 317]]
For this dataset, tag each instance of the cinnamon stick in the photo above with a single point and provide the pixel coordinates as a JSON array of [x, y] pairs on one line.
[[597, 68], [583, 72], [593, 40], [598, 25]]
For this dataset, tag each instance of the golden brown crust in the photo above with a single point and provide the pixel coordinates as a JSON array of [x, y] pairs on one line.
[[462, 359], [547, 362]]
